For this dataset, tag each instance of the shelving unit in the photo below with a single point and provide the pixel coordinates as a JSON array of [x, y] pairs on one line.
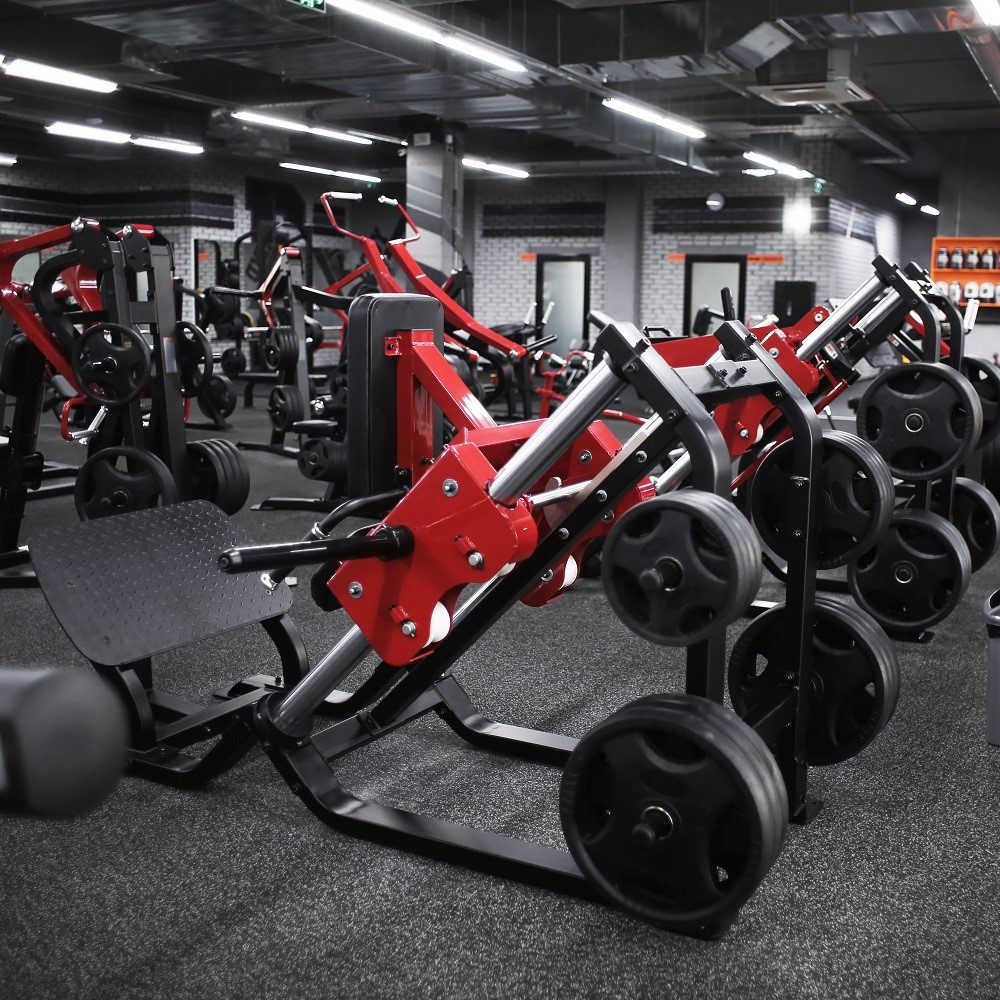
[[963, 275]]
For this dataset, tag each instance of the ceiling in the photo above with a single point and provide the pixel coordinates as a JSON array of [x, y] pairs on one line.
[[928, 73]]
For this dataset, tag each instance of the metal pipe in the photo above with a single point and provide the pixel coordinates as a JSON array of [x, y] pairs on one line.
[[300, 703], [837, 321], [879, 313], [558, 432], [674, 476], [557, 495]]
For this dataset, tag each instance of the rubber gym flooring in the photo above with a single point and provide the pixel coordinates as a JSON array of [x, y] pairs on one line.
[[238, 891]]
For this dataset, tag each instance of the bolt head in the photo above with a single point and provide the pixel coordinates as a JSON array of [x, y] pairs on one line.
[[773, 351], [563, 533], [641, 456], [609, 516], [547, 576], [355, 590], [476, 560], [601, 496], [584, 457], [744, 434], [408, 629], [449, 488]]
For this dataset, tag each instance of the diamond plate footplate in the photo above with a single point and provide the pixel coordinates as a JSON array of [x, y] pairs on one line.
[[139, 584]]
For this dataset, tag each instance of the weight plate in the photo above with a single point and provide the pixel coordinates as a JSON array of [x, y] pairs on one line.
[[285, 407], [924, 419], [233, 362], [984, 378], [208, 471], [194, 358], [915, 575], [854, 678], [678, 568], [856, 499], [111, 364], [233, 490], [976, 514], [120, 480], [669, 808], [218, 391]]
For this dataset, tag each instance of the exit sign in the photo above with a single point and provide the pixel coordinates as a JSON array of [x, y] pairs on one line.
[[319, 5]]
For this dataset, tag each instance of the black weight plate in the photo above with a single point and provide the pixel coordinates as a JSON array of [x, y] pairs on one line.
[[669, 811], [111, 364], [856, 499], [120, 480], [285, 407], [854, 677], [924, 419], [233, 362], [237, 487], [984, 377], [678, 568], [194, 358], [224, 495], [218, 390], [207, 470], [976, 514], [916, 574]]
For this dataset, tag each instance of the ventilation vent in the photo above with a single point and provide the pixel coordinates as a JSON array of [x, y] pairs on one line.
[[790, 95]]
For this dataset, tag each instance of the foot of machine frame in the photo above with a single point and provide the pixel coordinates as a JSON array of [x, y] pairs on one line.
[[806, 811]]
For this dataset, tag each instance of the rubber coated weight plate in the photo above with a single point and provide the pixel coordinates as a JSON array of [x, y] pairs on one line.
[[207, 470], [856, 499], [120, 480], [669, 808], [194, 358], [111, 364], [285, 407], [234, 489], [984, 378], [678, 568], [218, 391], [976, 514], [854, 678], [233, 362], [924, 419], [916, 574]]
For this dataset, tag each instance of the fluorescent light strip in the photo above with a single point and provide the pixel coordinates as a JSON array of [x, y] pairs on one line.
[[72, 131], [496, 168], [906, 199], [286, 123], [378, 137], [27, 70], [345, 195], [327, 172], [929, 210], [759, 172], [787, 169], [6, 160], [389, 18], [171, 145], [988, 10], [653, 117]]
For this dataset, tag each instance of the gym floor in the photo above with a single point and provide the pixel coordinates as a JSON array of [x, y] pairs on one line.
[[236, 890]]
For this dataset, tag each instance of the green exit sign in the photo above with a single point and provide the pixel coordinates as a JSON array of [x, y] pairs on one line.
[[319, 5]]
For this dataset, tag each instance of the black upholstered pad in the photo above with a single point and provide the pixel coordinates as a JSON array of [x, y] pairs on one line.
[[135, 585]]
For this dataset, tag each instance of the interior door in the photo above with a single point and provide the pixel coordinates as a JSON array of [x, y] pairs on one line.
[[704, 279], [565, 283]]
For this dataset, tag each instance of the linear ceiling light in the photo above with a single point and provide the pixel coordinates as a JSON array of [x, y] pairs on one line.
[[906, 199], [378, 137], [27, 70], [496, 168], [327, 172], [6, 160], [788, 169], [171, 145], [389, 18], [653, 117], [929, 210], [345, 195], [286, 123], [74, 131], [988, 10], [759, 172]]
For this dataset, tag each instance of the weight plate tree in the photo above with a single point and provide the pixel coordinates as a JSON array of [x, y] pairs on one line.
[[916, 574], [985, 379], [854, 681], [675, 810], [677, 568], [924, 419], [856, 499], [120, 480], [112, 364]]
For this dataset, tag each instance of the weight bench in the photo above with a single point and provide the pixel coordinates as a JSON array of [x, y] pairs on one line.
[[132, 587]]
